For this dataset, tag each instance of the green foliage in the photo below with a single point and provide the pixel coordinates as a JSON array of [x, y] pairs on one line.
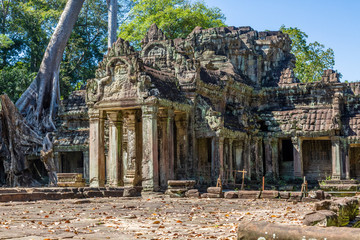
[[177, 18], [311, 59], [13, 80], [26, 27], [5, 41]]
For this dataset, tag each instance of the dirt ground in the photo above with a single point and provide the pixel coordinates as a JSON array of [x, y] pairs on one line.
[[152, 216]]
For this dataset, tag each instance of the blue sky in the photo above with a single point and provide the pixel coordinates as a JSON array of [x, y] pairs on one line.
[[334, 23]]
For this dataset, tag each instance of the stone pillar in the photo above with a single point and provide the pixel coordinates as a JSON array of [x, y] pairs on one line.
[[275, 156], [297, 154], [259, 158], [181, 145], [57, 161], [221, 157], [163, 148], [130, 118], [96, 149], [214, 159], [150, 164], [347, 160], [114, 176], [336, 162], [268, 160], [86, 165], [170, 137], [231, 174]]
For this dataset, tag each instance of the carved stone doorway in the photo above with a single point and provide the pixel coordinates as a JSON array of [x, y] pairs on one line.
[[286, 157]]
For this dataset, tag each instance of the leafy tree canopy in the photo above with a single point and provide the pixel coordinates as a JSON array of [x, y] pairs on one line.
[[177, 18], [25, 29], [311, 58]]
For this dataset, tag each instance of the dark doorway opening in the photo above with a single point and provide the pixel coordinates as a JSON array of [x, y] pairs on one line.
[[204, 157], [354, 155], [72, 162], [316, 156], [286, 159]]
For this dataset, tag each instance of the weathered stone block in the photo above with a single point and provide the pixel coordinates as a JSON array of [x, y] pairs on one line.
[[269, 194], [295, 196], [192, 193], [211, 195], [131, 192], [231, 194], [91, 194], [188, 184], [216, 190], [284, 195], [319, 194], [249, 194], [113, 193], [322, 218]]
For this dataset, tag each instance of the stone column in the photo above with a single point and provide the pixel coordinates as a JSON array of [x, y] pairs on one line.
[[214, 159], [347, 160], [130, 117], [259, 158], [275, 156], [164, 147], [221, 157], [114, 177], [231, 174], [86, 165], [150, 164], [170, 137], [297, 154], [96, 149], [268, 160], [181, 144], [335, 147]]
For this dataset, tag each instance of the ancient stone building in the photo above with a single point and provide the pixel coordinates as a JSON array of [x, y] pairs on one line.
[[221, 100]]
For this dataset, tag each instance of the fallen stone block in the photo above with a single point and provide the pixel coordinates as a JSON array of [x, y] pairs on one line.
[[264, 230], [192, 193], [216, 190], [322, 218], [319, 194], [231, 194], [131, 192], [188, 184], [295, 196], [284, 195], [91, 194], [113, 193], [211, 195], [249, 194], [269, 194], [309, 199], [346, 208]]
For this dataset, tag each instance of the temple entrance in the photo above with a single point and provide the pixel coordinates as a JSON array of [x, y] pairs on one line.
[[71, 162], [354, 156], [204, 157], [317, 163], [286, 157]]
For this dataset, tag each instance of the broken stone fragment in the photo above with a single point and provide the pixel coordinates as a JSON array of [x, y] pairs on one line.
[[231, 194], [269, 194], [216, 190], [192, 193], [249, 194], [131, 192], [319, 194], [211, 195], [322, 218]]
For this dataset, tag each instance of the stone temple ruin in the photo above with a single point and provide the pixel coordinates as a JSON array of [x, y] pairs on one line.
[[221, 100]]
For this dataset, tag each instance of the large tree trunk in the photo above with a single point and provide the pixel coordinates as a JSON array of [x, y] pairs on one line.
[[112, 21], [37, 101], [38, 105]]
